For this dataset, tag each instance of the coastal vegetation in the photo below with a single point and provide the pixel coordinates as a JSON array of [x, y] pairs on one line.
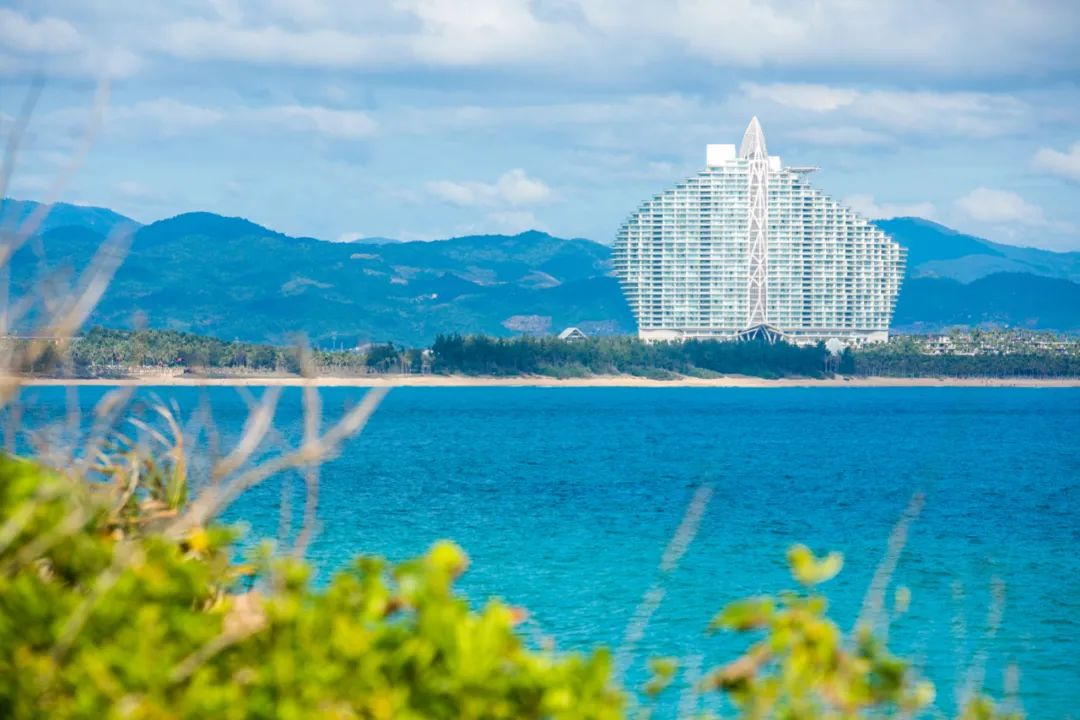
[[102, 352], [480, 355], [1003, 355]]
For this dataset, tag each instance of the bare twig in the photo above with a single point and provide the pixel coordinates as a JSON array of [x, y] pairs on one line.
[[690, 696], [259, 420], [959, 631], [650, 601], [14, 143], [976, 673], [31, 224], [211, 502], [71, 311], [874, 600], [312, 420]]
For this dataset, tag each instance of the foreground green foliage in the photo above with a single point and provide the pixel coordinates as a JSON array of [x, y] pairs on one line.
[[102, 615], [804, 667]]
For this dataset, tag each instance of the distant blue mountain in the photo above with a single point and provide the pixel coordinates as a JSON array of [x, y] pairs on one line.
[[232, 278], [937, 251], [1019, 300], [100, 220]]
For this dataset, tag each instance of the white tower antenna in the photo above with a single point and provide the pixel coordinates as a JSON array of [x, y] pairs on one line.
[[753, 149]]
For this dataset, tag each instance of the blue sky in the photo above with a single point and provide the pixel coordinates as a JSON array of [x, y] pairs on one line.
[[431, 118]]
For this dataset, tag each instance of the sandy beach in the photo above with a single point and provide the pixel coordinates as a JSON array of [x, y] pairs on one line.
[[728, 381]]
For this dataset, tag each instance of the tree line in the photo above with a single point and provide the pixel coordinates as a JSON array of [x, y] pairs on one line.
[[103, 352], [483, 355], [901, 357], [895, 360]]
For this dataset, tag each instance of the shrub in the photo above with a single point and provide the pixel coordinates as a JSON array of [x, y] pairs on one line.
[[104, 617]]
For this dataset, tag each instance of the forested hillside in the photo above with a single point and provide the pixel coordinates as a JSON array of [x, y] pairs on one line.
[[234, 279]]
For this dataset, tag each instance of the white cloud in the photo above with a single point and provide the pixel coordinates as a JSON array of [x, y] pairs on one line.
[[412, 32], [169, 116], [926, 113], [923, 36], [513, 188], [845, 135], [594, 38], [48, 36], [867, 206], [816, 98], [207, 40], [348, 237], [511, 222], [135, 190], [517, 188], [56, 47], [1061, 164], [989, 205], [964, 114], [335, 94], [26, 185], [492, 31], [461, 193], [339, 124]]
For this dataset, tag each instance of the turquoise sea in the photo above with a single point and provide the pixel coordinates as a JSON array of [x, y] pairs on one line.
[[565, 499]]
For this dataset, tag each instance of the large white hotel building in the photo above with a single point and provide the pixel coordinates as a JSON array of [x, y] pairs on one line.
[[747, 248]]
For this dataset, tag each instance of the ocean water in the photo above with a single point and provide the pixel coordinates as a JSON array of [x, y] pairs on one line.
[[565, 499]]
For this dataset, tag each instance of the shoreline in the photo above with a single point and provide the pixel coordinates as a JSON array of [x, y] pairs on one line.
[[727, 381]]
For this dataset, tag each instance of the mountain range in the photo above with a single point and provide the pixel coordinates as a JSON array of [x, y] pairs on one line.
[[232, 278]]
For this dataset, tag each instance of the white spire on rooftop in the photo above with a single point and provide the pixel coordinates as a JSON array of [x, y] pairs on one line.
[[753, 142]]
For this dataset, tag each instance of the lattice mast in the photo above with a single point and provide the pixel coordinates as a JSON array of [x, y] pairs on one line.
[[754, 151]]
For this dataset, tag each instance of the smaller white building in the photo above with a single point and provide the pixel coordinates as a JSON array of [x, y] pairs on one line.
[[572, 334]]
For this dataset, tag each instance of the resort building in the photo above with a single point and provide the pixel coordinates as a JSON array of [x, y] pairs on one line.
[[748, 248], [573, 334]]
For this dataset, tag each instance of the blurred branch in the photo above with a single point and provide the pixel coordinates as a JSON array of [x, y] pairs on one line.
[[976, 673], [67, 312], [312, 421], [31, 224], [874, 600], [14, 143], [678, 545], [213, 500]]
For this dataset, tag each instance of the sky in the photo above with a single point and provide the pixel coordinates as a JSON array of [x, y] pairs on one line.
[[424, 119]]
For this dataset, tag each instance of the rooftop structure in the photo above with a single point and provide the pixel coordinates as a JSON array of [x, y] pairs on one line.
[[572, 334], [747, 248]]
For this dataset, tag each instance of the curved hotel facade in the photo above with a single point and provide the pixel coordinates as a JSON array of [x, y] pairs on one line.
[[747, 248]]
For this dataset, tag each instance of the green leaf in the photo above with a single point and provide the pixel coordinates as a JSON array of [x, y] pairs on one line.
[[809, 570], [743, 615], [663, 670]]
